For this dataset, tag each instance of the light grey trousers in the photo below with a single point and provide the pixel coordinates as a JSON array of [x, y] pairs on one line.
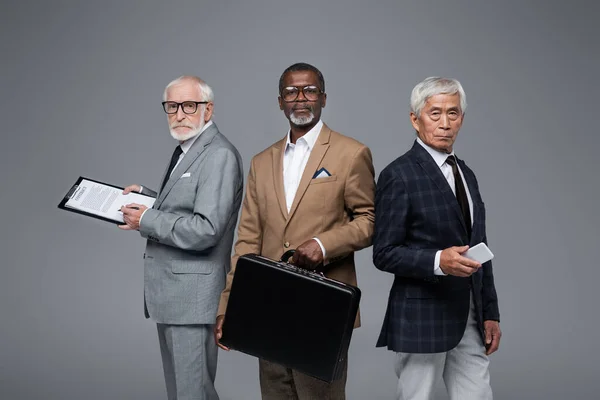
[[465, 369], [189, 357]]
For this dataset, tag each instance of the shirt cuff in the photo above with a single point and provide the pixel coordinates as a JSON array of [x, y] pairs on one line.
[[142, 216], [322, 249], [436, 264]]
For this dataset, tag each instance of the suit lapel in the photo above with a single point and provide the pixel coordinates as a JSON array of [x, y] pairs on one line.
[[316, 156], [477, 209], [435, 174], [193, 153], [277, 153]]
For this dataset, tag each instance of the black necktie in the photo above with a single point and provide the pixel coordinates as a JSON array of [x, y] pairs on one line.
[[461, 193], [174, 158]]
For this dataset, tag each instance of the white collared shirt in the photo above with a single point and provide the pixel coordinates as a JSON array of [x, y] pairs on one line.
[[440, 160], [295, 158]]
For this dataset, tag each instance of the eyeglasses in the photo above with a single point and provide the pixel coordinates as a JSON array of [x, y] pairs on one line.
[[291, 93], [188, 107]]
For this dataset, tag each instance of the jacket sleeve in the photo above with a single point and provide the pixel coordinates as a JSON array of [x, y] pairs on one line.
[[249, 234], [392, 211], [359, 196], [148, 192], [488, 293], [488, 290]]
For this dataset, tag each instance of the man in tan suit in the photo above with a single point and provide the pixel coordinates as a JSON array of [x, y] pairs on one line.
[[313, 191]]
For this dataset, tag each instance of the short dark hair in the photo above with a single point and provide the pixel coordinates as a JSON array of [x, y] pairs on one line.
[[303, 67]]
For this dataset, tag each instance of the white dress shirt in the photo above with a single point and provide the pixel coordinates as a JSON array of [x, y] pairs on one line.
[[185, 147], [440, 160], [295, 158]]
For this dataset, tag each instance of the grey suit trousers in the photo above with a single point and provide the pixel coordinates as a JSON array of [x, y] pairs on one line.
[[189, 356]]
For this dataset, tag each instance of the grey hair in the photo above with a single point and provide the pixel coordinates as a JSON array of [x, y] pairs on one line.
[[205, 91], [432, 86]]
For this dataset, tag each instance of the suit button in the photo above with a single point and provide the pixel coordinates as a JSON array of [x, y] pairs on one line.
[[286, 244]]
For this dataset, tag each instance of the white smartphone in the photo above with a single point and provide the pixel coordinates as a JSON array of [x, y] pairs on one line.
[[480, 253]]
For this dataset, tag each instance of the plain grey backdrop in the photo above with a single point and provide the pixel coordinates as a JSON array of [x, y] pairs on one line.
[[81, 85]]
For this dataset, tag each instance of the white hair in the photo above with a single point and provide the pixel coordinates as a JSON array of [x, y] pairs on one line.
[[205, 91], [432, 86]]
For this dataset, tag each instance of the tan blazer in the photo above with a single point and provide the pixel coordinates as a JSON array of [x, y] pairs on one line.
[[338, 210]]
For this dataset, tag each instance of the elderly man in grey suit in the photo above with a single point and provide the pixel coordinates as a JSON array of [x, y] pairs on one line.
[[190, 234]]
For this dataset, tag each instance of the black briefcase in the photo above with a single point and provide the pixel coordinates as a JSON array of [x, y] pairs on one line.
[[290, 316]]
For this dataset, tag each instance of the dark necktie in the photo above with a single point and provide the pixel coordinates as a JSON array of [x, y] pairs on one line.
[[174, 158], [461, 193]]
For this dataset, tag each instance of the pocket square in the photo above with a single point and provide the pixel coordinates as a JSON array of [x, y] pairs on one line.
[[186, 175], [322, 173]]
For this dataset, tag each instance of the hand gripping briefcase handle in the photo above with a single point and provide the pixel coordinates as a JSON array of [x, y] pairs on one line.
[[286, 259]]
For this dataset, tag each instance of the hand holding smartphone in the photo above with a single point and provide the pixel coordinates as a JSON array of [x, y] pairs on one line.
[[480, 253]]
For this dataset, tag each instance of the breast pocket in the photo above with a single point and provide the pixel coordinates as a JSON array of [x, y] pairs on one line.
[[183, 193], [325, 198], [327, 179], [186, 179]]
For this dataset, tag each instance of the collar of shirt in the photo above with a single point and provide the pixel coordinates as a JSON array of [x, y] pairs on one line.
[[438, 156], [310, 137], [185, 146]]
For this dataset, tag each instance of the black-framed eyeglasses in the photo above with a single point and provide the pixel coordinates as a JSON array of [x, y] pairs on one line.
[[291, 93], [188, 107]]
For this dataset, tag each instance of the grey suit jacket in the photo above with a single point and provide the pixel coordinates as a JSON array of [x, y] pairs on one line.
[[190, 233]]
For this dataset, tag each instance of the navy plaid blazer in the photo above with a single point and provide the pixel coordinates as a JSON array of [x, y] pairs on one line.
[[417, 214]]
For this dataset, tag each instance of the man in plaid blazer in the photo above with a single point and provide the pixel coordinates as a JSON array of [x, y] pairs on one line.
[[442, 318]]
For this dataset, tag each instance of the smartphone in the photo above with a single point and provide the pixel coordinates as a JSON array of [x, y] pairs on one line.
[[480, 253]]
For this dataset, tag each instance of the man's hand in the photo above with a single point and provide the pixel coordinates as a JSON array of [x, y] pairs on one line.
[[492, 336], [131, 216], [453, 263], [132, 188], [218, 331], [308, 255]]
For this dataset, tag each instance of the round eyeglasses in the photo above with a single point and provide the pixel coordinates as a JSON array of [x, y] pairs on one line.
[[188, 107], [291, 93]]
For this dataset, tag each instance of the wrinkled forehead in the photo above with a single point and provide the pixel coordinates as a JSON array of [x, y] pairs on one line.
[[186, 90], [443, 101]]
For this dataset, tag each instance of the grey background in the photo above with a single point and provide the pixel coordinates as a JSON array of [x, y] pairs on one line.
[[81, 86]]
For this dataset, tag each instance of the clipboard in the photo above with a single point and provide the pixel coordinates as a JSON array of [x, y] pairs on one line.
[[100, 200]]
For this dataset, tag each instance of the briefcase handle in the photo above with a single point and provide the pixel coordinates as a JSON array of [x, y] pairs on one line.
[[288, 254]]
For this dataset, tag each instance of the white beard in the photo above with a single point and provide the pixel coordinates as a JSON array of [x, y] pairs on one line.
[[302, 121], [194, 130], [182, 137]]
